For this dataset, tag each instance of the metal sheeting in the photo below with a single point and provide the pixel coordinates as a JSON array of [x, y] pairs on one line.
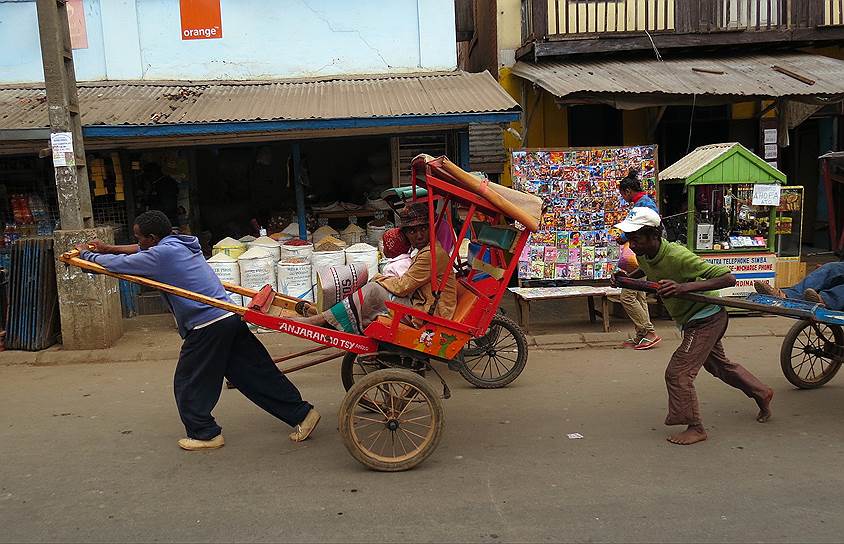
[[694, 161], [143, 103], [486, 148], [746, 75], [33, 298]]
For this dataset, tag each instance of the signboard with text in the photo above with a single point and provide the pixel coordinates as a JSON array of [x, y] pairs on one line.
[[201, 19], [747, 268], [76, 24]]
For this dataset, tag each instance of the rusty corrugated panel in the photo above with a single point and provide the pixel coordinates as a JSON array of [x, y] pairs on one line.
[[486, 148], [694, 161], [141, 103], [746, 75]]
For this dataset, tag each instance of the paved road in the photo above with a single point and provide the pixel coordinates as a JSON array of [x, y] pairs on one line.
[[88, 453]]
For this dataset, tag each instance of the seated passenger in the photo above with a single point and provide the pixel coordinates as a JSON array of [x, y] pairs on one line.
[[413, 288], [397, 253]]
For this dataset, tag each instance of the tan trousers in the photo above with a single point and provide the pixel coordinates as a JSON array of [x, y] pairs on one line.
[[701, 346], [635, 303]]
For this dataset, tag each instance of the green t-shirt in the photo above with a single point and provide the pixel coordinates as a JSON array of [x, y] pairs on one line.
[[675, 262]]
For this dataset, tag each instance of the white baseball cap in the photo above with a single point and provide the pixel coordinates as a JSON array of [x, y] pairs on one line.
[[639, 217]]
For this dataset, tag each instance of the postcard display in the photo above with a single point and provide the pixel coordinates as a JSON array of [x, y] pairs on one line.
[[579, 188]]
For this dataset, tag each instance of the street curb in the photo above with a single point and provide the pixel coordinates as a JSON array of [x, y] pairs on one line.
[[56, 356]]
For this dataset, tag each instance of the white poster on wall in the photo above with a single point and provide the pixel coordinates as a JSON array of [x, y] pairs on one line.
[[62, 145], [767, 194]]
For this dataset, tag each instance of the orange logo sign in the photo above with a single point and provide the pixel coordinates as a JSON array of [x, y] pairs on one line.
[[201, 19]]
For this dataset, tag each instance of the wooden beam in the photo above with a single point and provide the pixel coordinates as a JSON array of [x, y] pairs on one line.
[[556, 46]]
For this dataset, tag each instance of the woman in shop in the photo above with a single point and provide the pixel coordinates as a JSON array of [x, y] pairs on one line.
[[413, 288]]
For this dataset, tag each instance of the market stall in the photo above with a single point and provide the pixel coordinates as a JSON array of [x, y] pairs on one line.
[[721, 201], [579, 189]]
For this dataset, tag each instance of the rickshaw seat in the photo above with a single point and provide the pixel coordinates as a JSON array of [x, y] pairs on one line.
[[465, 302]]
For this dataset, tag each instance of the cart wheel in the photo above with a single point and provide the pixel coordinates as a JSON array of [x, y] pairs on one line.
[[496, 358], [405, 429], [807, 356], [355, 367]]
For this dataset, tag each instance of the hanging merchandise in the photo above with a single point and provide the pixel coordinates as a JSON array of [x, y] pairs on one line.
[[579, 189], [324, 231], [364, 254], [229, 246], [118, 177], [353, 234], [294, 278], [227, 269], [267, 243], [257, 269], [98, 174], [297, 248]]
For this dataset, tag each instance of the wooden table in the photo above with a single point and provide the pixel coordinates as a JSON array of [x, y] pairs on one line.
[[525, 295]]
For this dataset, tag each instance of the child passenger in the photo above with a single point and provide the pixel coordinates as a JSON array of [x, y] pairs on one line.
[[397, 253]]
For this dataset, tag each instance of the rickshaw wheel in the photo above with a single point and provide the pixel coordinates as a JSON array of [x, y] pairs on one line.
[[496, 358], [354, 367], [805, 357], [405, 429]]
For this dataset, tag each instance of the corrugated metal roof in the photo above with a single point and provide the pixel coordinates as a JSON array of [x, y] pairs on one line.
[[742, 75], [150, 103], [695, 160]]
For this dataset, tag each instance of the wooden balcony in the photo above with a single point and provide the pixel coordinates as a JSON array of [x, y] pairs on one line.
[[570, 27]]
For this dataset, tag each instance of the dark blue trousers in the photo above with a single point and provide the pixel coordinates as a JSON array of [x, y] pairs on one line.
[[828, 281], [228, 349]]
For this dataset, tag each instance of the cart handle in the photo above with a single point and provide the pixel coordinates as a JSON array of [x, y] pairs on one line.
[[72, 258]]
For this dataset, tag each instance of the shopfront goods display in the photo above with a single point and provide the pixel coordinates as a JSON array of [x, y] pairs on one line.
[[229, 246], [295, 278], [265, 242], [579, 188], [789, 223], [228, 270], [257, 269], [722, 199], [296, 248], [365, 254]]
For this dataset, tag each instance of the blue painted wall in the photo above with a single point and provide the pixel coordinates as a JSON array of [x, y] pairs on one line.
[[262, 39]]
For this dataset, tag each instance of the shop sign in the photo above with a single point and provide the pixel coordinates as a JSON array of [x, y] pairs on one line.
[[201, 19], [747, 268], [76, 24]]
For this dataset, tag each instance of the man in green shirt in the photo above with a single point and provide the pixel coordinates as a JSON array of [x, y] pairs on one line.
[[678, 271]]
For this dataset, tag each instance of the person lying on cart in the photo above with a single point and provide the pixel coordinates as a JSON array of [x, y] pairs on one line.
[[824, 286], [413, 288], [677, 270], [217, 344]]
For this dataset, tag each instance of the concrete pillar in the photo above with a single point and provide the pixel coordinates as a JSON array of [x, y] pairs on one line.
[[89, 304]]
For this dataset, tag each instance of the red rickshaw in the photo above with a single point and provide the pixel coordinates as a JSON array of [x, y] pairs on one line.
[[391, 418]]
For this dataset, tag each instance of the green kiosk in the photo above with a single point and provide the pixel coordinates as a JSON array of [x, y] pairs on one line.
[[721, 201]]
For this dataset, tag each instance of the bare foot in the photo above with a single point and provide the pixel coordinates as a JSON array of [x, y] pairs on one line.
[[693, 434], [765, 407]]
